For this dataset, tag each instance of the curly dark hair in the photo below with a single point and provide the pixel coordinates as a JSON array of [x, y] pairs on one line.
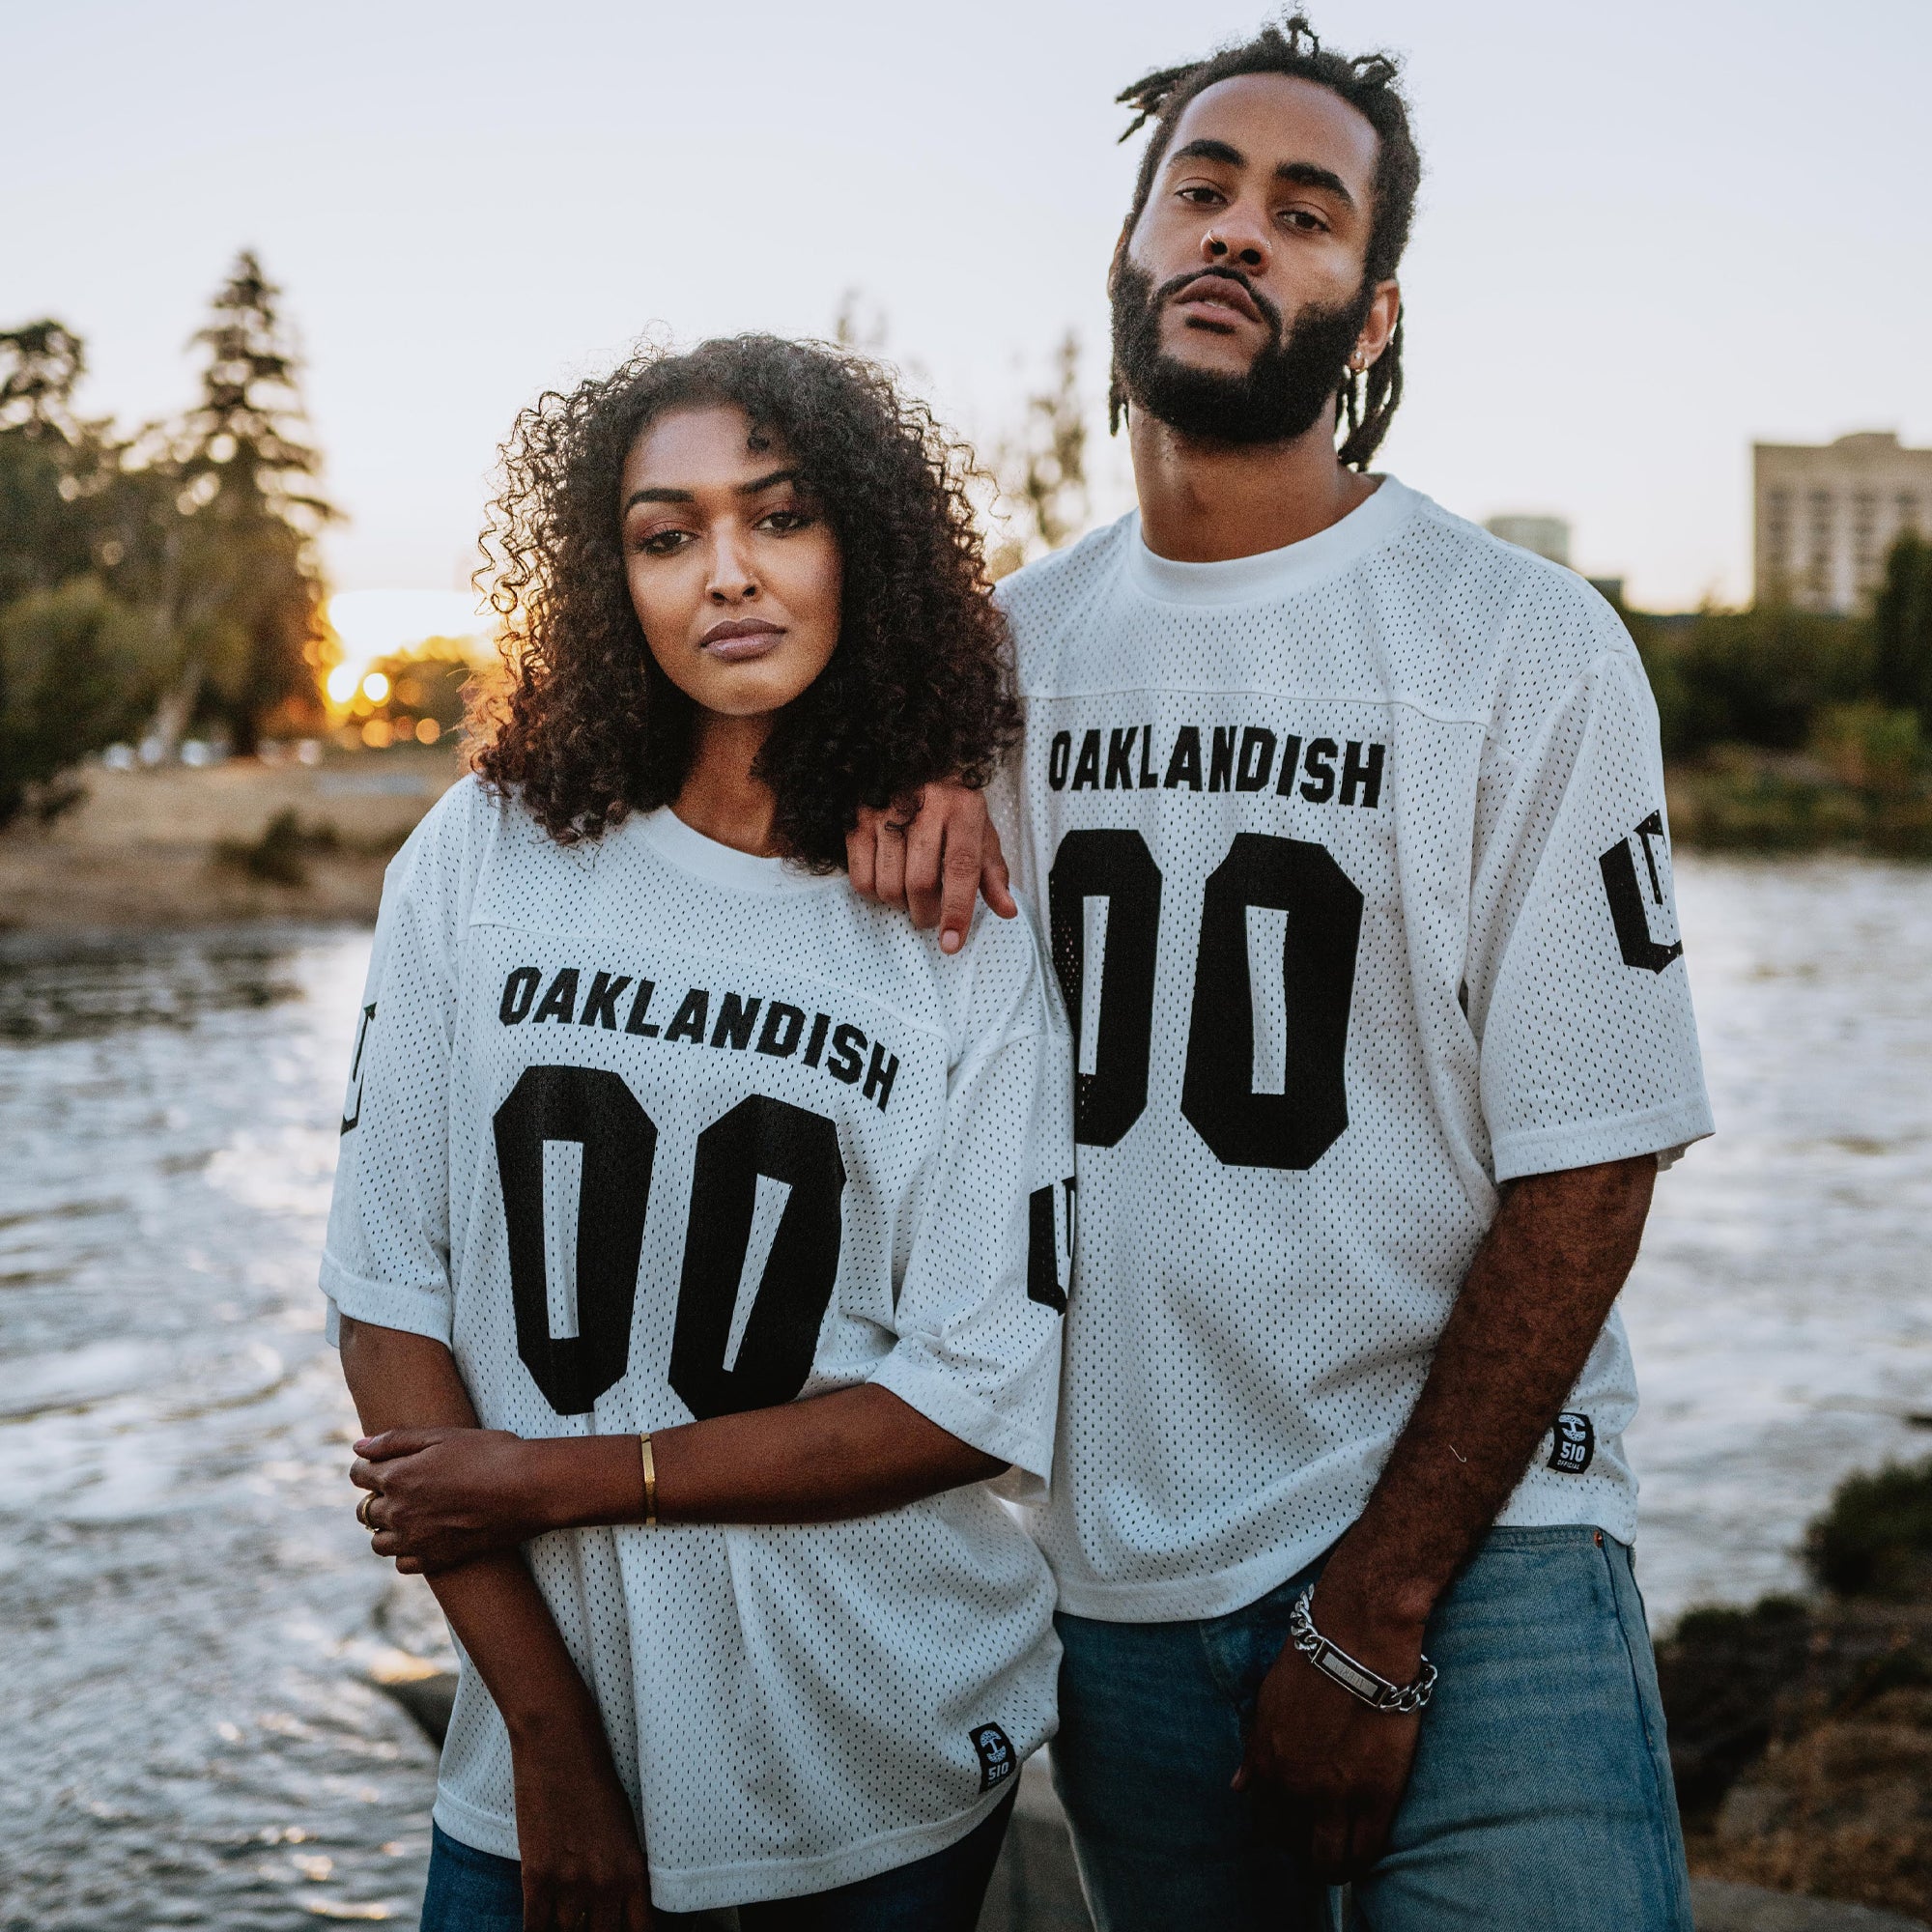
[[1369, 84], [587, 728]]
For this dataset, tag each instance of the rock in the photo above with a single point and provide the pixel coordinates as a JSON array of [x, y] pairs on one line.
[[1720, 1906], [1035, 1888], [428, 1699], [1844, 1807]]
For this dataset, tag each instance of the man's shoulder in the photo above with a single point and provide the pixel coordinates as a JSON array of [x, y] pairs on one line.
[[1491, 622], [1055, 587], [1518, 591]]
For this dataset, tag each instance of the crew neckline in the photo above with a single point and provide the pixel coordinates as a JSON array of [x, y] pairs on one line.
[[691, 851], [1273, 573]]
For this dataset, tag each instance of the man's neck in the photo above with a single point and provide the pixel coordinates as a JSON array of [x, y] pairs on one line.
[[1206, 502]]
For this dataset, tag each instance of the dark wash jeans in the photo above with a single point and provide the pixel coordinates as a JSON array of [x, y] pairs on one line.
[[477, 1892], [1541, 1798]]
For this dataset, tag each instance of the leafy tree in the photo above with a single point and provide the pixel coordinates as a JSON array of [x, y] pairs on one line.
[[1901, 626], [76, 672], [45, 359], [163, 578]]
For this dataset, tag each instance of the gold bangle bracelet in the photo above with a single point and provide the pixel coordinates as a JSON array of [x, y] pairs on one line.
[[651, 1481]]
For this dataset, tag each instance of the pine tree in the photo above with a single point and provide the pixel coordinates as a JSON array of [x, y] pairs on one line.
[[246, 587], [1042, 471], [48, 459]]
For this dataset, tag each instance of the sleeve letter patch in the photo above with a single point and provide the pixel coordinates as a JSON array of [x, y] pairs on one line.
[[1050, 1246], [1628, 911]]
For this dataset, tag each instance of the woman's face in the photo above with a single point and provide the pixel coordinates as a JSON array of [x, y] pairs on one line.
[[733, 571]]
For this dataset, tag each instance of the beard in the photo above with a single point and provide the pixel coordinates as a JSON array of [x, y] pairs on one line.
[[1295, 375]]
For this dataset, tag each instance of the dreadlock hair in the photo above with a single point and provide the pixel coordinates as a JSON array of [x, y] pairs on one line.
[[1366, 401]]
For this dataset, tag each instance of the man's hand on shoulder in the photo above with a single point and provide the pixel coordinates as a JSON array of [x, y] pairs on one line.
[[932, 856]]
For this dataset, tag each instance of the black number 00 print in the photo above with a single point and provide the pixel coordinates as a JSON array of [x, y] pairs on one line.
[[1118, 867], [1291, 1129], [596, 1109], [758, 1136]]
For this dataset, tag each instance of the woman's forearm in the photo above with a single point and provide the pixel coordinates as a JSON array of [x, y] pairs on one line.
[[855, 1453], [493, 1605]]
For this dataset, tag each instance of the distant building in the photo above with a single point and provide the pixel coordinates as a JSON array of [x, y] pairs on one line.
[[1826, 514], [1546, 536]]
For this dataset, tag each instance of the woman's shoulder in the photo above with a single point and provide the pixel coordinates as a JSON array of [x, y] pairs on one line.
[[448, 835], [476, 829], [1000, 984]]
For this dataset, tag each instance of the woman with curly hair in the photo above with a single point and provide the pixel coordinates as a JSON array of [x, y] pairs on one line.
[[700, 1235]]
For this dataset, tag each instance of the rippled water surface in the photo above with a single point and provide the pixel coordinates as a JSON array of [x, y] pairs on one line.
[[1781, 1312], [189, 1735]]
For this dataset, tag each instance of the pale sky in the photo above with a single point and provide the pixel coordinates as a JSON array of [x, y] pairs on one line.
[[1649, 233]]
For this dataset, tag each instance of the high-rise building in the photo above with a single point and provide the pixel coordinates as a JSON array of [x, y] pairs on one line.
[[1826, 514]]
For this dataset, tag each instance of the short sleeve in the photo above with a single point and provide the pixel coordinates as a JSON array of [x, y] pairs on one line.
[[1004, 808], [984, 1294], [1576, 986], [387, 1256]]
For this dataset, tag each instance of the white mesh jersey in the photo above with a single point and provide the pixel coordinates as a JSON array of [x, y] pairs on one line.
[[647, 1129], [1354, 863]]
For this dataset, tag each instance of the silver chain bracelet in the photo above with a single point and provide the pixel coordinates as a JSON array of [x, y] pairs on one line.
[[1354, 1677]]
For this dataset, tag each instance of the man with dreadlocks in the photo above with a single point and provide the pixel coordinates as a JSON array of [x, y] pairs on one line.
[[1347, 821]]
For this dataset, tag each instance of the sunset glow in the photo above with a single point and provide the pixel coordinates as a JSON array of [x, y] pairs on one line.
[[374, 624]]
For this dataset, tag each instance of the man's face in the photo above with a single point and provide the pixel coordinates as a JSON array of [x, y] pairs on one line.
[[1239, 297]]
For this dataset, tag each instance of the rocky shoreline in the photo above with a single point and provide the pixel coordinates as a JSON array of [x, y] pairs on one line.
[[1802, 1736]]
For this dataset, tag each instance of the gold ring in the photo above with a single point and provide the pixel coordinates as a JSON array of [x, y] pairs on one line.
[[362, 1511]]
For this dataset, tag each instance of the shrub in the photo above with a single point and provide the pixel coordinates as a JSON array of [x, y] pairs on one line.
[[1755, 677], [1875, 1538], [1871, 747], [280, 855], [1720, 1672]]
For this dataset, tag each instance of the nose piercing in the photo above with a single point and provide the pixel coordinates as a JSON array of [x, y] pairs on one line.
[[1216, 244]]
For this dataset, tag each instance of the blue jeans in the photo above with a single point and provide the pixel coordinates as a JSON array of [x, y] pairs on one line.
[[477, 1892], [1541, 1795]]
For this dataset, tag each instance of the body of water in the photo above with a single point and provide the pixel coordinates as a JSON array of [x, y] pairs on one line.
[[190, 1615]]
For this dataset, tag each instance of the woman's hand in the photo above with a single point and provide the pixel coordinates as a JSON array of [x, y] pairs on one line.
[[583, 1868], [441, 1496]]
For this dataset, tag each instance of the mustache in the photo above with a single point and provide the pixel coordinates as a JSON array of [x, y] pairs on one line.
[[1270, 310]]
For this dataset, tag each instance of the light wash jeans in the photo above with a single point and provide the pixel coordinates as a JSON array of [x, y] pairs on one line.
[[1541, 1797]]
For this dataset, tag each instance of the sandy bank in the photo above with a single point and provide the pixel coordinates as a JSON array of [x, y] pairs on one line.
[[144, 848]]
